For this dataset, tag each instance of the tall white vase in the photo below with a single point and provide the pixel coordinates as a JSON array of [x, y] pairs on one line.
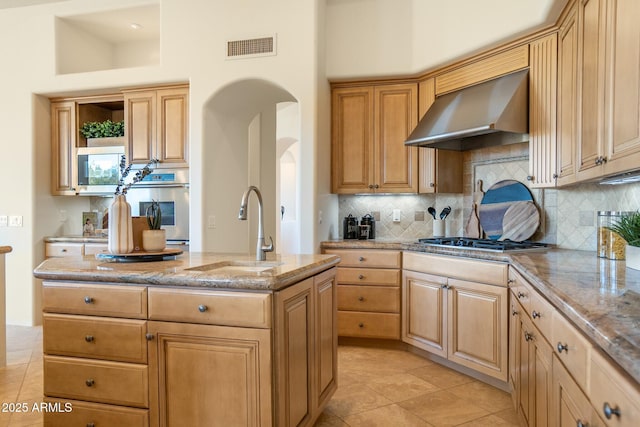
[[120, 226]]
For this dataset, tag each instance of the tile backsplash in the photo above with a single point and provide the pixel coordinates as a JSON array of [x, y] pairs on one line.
[[569, 219]]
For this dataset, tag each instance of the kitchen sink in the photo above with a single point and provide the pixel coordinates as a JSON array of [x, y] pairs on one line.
[[238, 266]]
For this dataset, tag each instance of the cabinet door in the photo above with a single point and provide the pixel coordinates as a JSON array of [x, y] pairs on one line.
[[591, 60], [570, 405], [515, 313], [209, 375], [140, 125], [567, 98], [526, 372], [326, 338], [424, 320], [395, 115], [542, 381], [478, 327], [63, 143], [623, 86], [542, 111], [352, 140], [173, 127]]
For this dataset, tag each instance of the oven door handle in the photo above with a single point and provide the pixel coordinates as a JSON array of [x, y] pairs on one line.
[[172, 185]]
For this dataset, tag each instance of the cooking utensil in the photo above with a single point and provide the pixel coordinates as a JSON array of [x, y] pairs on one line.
[[432, 211], [472, 228], [446, 211], [496, 201], [520, 221]]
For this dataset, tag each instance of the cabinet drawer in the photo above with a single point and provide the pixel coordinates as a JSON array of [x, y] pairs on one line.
[[369, 325], [571, 348], [98, 414], [542, 314], [368, 276], [368, 298], [228, 308], [95, 337], [367, 258], [62, 249], [610, 388], [490, 272], [95, 300], [520, 289], [95, 248], [96, 381]]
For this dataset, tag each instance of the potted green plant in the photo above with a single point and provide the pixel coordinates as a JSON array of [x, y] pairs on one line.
[[628, 227], [103, 130], [154, 239]]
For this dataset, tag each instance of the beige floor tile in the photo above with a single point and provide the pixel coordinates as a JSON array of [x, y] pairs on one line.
[[483, 395], [441, 376], [328, 420], [392, 415], [508, 415], [355, 398], [490, 421], [19, 356], [443, 408], [401, 387]]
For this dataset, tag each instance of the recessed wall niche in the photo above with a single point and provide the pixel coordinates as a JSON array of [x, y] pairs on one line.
[[106, 40]]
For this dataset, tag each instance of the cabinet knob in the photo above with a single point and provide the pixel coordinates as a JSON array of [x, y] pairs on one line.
[[609, 411], [91, 425], [555, 176], [360, 325], [370, 186], [376, 186], [528, 336], [149, 337], [90, 382], [202, 308], [88, 338], [514, 313], [88, 300], [63, 250], [361, 259], [603, 159], [445, 287], [361, 276], [521, 295], [510, 281], [360, 298], [535, 314], [581, 424], [562, 347], [431, 184], [529, 177]]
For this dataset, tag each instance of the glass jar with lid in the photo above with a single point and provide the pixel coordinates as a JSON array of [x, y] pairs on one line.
[[610, 244]]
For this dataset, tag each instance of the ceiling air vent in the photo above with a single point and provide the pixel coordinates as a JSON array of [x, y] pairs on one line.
[[251, 48]]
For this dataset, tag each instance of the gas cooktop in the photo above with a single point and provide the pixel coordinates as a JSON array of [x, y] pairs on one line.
[[483, 244]]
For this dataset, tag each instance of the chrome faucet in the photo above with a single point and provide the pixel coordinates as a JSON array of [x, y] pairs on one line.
[[261, 248]]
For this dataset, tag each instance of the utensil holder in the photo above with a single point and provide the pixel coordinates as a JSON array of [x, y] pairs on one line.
[[439, 228]]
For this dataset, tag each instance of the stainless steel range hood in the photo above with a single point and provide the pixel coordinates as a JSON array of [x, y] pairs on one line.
[[487, 114]]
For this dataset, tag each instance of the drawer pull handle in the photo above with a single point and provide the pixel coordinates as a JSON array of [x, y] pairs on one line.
[[609, 411], [202, 308], [88, 338], [90, 382], [360, 298], [88, 300], [562, 347], [521, 295], [528, 336], [361, 276], [361, 259], [149, 337], [360, 325], [535, 314]]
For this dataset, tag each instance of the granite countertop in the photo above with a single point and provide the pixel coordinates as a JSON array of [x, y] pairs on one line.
[[600, 297], [191, 269]]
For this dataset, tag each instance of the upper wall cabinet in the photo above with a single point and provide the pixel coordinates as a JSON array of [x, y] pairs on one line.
[[157, 125], [369, 127], [542, 111]]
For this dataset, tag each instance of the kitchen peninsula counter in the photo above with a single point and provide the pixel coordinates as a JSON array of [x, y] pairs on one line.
[[191, 269]]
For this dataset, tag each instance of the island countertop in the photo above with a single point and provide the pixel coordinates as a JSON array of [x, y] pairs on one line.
[[191, 269]]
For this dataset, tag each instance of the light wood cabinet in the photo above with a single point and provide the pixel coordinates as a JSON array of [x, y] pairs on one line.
[[462, 320], [542, 111], [368, 293], [62, 249], [63, 143], [369, 127], [137, 355], [440, 171], [157, 126], [571, 407]]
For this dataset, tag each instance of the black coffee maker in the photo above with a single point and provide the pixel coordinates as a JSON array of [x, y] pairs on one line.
[[350, 227], [371, 222]]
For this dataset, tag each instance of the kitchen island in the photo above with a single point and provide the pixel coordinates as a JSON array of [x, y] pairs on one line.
[[202, 339]]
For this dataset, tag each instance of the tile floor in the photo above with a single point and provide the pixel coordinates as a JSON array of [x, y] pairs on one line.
[[378, 387]]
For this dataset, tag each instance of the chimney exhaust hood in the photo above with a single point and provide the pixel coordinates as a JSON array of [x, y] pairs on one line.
[[487, 114]]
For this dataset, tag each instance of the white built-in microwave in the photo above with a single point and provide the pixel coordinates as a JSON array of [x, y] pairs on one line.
[[98, 169]]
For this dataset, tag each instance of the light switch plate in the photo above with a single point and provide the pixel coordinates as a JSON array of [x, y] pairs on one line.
[[15, 221], [4, 220], [396, 215]]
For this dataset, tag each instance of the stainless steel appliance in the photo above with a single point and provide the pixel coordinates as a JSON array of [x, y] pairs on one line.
[[98, 169], [170, 188], [483, 244]]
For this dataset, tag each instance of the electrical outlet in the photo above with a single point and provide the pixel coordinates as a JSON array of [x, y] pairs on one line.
[[15, 221], [211, 221], [4, 220], [396, 215]]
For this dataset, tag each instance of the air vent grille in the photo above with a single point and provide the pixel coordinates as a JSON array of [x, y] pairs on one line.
[[263, 46]]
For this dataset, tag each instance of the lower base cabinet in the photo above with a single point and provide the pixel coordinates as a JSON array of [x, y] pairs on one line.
[[236, 358]]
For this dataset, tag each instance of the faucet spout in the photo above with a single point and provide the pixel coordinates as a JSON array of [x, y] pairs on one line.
[[261, 247]]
